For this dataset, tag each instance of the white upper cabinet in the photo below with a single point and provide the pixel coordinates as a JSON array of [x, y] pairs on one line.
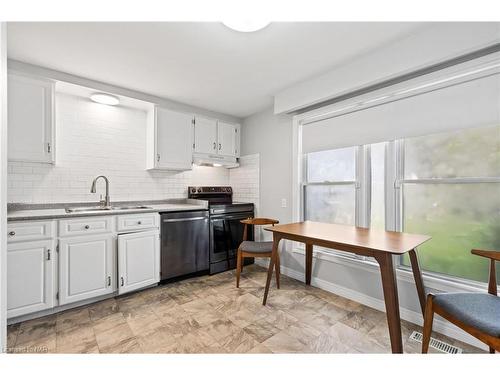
[[228, 144], [205, 135], [30, 119], [215, 137], [138, 260], [170, 140]]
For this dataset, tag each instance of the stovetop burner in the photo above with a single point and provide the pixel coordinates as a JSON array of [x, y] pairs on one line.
[[220, 199], [212, 194]]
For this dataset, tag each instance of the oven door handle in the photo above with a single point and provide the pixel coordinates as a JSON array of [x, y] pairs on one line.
[[231, 217], [185, 219]]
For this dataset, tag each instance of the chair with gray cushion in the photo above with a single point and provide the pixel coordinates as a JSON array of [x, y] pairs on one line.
[[476, 313], [252, 249]]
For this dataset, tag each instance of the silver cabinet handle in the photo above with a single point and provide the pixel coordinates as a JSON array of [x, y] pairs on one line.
[[122, 281], [219, 146], [87, 226], [215, 146], [158, 157], [48, 254], [109, 280], [12, 233]]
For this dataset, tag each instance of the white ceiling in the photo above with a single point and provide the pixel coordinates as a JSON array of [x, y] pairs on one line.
[[202, 64]]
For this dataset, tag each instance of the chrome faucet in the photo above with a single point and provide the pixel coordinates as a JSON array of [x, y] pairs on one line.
[[106, 201]]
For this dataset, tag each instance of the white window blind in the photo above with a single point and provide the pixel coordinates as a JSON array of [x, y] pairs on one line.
[[472, 103]]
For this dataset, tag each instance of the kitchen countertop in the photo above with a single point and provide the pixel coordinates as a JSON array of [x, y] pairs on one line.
[[20, 212]]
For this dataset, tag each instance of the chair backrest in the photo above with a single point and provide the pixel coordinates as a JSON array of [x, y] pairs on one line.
[[256, 221], [259, 221], [492, 255]]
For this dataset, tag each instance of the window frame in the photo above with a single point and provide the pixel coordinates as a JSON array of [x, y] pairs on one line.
[[355, 183], [362, 189]]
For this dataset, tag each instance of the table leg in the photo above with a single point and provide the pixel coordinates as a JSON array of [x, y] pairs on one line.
[[417, 275], [390, 288], [309, 259], [274, 254]]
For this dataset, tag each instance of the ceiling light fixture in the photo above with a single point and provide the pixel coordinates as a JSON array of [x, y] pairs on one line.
[[246, 25], [104, 99]]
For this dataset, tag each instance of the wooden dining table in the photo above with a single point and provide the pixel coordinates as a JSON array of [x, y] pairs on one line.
[[379, 244]]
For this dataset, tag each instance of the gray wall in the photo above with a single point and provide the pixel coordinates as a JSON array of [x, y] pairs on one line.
[[271, 137]]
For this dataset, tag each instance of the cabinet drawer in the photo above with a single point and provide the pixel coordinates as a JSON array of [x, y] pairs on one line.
[[134, 222], [29, 231], [89, 225]]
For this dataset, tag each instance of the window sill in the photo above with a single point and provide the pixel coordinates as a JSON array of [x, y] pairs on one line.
[[403, 273]]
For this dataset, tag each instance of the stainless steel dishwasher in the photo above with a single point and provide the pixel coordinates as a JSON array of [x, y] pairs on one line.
[[185, 243]]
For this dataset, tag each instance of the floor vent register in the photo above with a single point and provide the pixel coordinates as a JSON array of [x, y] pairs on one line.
[[436, 344]]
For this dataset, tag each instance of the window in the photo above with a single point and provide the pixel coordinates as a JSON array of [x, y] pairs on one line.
[[338, 190], [330, 186], [450, 190]]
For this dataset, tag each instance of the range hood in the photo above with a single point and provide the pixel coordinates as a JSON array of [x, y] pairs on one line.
[[215, 161]]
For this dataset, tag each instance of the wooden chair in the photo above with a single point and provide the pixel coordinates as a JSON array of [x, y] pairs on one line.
[[252, 249], [476, 313]]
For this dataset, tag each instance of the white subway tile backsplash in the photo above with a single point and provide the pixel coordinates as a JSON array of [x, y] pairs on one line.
[[94, 139], [245, 180]]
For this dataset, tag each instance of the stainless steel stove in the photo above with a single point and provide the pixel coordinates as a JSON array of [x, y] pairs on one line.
[[226, 231]]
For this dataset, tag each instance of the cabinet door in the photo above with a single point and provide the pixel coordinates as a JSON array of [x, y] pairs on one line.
[[174, 140], [86, 267], [30, 119], [205, 135], [30, 277], [138, 260], [226, 139]]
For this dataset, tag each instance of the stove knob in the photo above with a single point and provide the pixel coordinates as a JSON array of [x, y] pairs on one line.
[[199, 190], [193, 190]]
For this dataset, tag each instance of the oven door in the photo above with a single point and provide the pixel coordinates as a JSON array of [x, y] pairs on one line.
[[227, 234]]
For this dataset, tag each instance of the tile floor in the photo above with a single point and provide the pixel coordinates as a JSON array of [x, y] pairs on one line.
[[209, 315]]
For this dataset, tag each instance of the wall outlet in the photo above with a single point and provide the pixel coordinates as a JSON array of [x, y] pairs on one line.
[[283, 202]]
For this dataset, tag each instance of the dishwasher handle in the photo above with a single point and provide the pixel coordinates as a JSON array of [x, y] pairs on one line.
[[185, 219]]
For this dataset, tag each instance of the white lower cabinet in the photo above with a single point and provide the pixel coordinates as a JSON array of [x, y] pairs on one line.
[[30, 277], [86, 267], [138, 260]]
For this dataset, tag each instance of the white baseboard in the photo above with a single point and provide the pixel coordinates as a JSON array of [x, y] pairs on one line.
[[439, 325]]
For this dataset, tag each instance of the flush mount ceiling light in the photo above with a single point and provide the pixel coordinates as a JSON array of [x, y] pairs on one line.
[[246, 25], [104, 99]]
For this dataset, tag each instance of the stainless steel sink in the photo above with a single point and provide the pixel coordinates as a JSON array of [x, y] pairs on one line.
[[103, 208]]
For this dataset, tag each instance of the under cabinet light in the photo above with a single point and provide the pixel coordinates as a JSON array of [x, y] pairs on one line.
[[104, 99], [246, 25]]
